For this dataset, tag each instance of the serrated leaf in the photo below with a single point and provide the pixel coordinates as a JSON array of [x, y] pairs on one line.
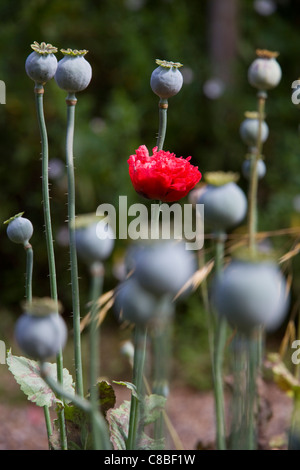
[[78, 428], [27, 374], [119, 425], [107, 396], [131, 387], [153, 406]]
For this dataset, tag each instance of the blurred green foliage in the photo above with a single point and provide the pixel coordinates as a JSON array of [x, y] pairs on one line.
[[118, 112]]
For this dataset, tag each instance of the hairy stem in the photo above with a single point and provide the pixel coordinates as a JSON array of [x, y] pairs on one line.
[[252, 193], [39, 94], [218, 354], [140, 340], [71, 103], [96, 289]]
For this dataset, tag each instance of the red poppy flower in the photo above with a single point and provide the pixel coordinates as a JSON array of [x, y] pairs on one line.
[[162, 176]]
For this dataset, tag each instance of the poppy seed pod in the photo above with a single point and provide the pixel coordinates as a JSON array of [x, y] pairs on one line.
[[265, 72], [19, 229], [94, 242], [249, 129], [134, 304], [73, 72], [41, 64], [166, 80], [164, 267], [250, 294], [40, 331], [225, 205], [260, 168]]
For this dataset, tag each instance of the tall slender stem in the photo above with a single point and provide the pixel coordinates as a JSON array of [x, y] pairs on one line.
[[97, 282], [218, 354], [29, 271], [140, 341], [252, 194], [39, 94], [163, 107], [28, 289], [71, 103]]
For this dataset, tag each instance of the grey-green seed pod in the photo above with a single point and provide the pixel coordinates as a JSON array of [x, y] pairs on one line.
[[249, 130], [249, 294], [41, 64], [260, 168], [225, 206], [74, 72], [265, 72], [41, 337], [19, 230], [164, 267], [135, 304], [94, 242], [166, 80]]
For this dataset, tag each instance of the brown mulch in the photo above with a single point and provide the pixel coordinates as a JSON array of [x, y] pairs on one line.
[[191, 413]]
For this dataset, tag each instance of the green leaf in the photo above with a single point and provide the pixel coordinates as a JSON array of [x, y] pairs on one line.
[[119, 424], [107, 396], [129, 385], [27, 374], [78, 428], [153, 406]]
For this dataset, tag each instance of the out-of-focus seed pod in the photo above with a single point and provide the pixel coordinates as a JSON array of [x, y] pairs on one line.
[[260, 168], [164, 267], [40, 332], [249, 129], [251, 294], [265, 72], [225, 204]]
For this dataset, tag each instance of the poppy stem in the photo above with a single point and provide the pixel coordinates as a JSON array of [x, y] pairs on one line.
[[140, 342], [220, 332], [163, 108], [39, 100], [71, 103], [252, 194], [96, 271]]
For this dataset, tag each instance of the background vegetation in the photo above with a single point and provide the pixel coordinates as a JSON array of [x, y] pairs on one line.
[[118, 112]]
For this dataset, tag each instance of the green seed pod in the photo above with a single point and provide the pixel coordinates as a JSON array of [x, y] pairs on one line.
[[166, 80], [73, 72], [94, 242], [40, 332], [135, 304], [164, 267], [41, 64], [251, 294], [19, 229], [260, 168], [249, 129], [225, 205], [265, 72]]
